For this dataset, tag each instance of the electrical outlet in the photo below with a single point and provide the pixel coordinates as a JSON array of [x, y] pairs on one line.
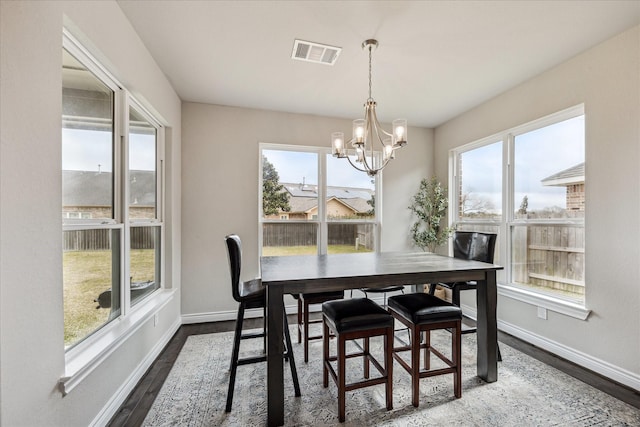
[[542, 313]]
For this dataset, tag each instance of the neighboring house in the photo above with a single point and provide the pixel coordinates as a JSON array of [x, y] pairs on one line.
[[573, 179], [342, 202], [87, 194]]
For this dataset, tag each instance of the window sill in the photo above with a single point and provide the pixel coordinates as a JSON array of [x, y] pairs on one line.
[[87, 356], [547, 302]]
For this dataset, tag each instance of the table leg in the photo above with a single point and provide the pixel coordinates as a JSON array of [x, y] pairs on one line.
[[487, 328], [275, 354]]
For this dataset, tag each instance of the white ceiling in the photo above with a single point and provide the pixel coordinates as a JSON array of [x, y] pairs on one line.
[[435, 60]]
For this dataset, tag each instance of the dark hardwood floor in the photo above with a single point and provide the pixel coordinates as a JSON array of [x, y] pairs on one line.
[[138, 403]]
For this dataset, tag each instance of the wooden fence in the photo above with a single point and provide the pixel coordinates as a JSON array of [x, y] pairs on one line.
[[305, 234], [94, 240], [549, 256]]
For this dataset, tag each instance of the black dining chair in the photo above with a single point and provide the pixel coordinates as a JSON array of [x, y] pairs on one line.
[[469, 245], [251, 294]]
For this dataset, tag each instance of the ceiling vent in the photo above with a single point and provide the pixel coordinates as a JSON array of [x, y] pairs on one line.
[[315, 52]]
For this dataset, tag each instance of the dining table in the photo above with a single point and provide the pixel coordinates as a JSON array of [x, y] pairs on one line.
[[284, 275]]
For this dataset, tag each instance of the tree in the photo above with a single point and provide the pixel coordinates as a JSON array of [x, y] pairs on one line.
[[429, 204], [372, 202], [524, 205], [472, 204], [274, 197]]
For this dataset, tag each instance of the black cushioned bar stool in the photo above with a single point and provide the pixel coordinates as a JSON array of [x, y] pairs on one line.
[[304, 301], [422, 312], [250, 294], [354, 319]]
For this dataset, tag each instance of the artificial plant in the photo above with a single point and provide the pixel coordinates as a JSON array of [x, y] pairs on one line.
[[429, 205]]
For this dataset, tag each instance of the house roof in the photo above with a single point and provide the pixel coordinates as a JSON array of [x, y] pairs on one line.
[[93, 188], [304, 197], [569, 176]]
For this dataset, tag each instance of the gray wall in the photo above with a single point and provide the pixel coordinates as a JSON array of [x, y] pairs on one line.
[[220, 192], [32, 357], [606, 79]]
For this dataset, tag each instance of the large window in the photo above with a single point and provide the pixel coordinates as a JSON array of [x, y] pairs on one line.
[[111, 203], [528, 185], [314, 203]]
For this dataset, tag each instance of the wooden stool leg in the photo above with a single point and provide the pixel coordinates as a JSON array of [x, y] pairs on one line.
[[306, 332], [289, 356], [299, 319], [388, 367], [415, 366], [456, 347], [365, 359], [341, 378], [234, 357], [427, 349], [325, 354]]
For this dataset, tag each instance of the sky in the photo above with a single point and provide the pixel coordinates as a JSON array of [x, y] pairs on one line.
[[293, 167], [537, 155], [86, 149]]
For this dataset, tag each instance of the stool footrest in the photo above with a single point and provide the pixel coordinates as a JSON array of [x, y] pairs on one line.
[[249, 360], [251, 335]]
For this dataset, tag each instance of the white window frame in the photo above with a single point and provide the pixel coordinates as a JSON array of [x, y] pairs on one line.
[[321, 220], [85, 356], [505, 285]]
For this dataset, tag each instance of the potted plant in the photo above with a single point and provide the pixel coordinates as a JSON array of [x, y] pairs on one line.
[[429, 205]]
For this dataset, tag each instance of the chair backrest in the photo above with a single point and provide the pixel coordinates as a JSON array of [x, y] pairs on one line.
[[234, 250], [473, 245]]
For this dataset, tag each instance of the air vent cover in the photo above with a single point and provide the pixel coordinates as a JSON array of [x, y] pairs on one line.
[[315, 52]]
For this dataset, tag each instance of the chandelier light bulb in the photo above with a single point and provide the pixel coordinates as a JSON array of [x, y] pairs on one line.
[[337, 143], [400, 132], [358, 131]]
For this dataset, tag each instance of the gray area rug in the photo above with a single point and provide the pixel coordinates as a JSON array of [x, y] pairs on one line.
[[527, 393]]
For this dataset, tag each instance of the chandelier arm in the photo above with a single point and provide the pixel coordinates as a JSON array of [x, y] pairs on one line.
[[379, 128], [356, 166]]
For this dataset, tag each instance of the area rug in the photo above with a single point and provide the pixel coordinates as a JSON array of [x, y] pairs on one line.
[[527, 393]]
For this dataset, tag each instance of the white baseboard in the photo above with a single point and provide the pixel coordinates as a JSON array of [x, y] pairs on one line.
[[219, 316], [116, 401], [594, 364]]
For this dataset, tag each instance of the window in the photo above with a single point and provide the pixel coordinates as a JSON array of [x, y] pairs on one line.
[[528, 185], [144, 256], [105, 239], [314, 203]]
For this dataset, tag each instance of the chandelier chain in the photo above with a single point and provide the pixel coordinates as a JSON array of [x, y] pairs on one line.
[[370, 48]]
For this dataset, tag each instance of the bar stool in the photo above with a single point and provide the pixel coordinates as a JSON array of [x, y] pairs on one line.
[[250, 294], [384, 291], [304, 301], [474, 246], [349, 320], [422, 312]]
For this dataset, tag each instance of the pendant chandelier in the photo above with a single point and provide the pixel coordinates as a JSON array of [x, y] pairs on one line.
[[369, 139]]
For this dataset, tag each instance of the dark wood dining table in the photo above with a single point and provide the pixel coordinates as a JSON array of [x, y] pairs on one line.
[[318, 273]]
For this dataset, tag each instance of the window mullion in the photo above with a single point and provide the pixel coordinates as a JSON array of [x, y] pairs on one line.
[[323, 228], [123, 208], [507, 204]]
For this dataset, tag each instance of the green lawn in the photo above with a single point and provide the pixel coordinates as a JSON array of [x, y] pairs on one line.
[[86, 275]]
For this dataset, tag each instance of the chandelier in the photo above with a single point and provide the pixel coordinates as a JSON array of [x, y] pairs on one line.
[[369, 139]]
